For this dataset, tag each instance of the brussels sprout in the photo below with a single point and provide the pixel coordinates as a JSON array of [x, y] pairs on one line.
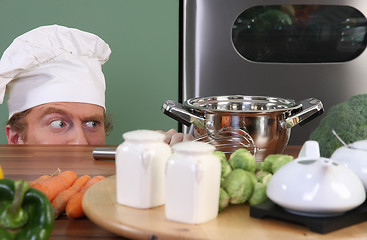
[[259, 194], [266, 179], [275, 161], [243, 159], [281, 162], [239, 186], [223, 199], [221, 155], [259, 166], [261, 174], [226, 168], [252, 176], [268, 162]]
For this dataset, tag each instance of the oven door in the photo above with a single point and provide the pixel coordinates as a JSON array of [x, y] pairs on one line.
[[287, 49]]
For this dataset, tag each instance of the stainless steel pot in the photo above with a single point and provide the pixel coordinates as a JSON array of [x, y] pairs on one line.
[[268, 120]]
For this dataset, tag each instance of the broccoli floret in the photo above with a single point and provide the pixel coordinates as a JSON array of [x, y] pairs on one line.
[[349, 119]]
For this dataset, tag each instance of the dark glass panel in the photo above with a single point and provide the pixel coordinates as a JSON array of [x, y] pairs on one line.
[[300, 33]]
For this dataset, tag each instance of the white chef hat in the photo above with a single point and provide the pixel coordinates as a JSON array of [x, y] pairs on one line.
[[53, 64]]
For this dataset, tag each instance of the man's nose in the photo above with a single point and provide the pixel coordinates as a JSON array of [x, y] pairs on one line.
[[79, 137]]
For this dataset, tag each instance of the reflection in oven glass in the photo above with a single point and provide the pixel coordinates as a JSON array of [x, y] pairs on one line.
[[300, 33]]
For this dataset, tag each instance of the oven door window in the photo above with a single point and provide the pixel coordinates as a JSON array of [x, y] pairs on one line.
[[300, 33]]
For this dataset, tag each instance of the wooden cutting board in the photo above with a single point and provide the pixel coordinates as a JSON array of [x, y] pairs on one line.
[[234, 222]]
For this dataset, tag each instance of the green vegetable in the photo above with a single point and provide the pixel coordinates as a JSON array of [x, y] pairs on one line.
[[226, 168], [259, 194], [259, 166], [223, 199], [239, 186], [266, 179], [349, 121], [25, 213], [242, 159], [248, 179], [275, 161], [260, 175], [252, 176]]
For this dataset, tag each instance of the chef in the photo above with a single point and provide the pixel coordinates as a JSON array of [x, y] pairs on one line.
[[53, 78]]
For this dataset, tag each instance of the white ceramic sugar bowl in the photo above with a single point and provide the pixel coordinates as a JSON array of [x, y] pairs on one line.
[[192, 183], [316, 187], [354, 156], [140, 164]]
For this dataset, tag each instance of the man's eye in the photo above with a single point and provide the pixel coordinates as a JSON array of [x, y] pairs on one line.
[[91, 124], [57, 124]]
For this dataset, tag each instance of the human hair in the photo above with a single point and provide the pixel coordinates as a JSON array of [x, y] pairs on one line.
[[18, 124], [108, 124]]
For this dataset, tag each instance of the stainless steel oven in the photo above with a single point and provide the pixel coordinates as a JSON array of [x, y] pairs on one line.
[[292, 49]]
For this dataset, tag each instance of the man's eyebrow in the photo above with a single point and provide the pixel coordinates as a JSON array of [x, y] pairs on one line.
[[50, 110], [95, 117]]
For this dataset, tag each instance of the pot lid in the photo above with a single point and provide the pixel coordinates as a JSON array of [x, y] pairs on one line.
[[240, 103]]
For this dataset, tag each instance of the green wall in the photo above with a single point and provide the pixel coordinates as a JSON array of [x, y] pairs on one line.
[[143, 69]]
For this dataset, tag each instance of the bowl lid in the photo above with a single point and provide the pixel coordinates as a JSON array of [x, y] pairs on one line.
[[241, 103], [318, 187]]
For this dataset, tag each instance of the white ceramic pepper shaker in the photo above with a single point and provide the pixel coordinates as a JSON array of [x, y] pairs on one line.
[[192, 183], [140, 168]]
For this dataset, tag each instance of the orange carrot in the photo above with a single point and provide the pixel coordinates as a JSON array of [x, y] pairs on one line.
[[52, 186], [74, 207], [44, 177], [62, 198], [39, 179]]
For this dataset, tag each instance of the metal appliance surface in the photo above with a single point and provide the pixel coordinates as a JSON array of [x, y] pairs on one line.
[[214, 62]]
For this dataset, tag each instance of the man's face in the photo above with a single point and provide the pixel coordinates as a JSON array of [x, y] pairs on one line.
[[65, 123]]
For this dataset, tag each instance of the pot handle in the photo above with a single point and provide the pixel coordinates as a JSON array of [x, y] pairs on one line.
[[176, 111], [310, 109]]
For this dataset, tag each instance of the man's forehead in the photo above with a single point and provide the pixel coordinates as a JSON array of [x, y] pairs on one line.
[[71, 108]]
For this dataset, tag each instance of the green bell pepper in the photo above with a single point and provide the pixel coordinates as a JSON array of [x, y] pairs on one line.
[[25, 213]]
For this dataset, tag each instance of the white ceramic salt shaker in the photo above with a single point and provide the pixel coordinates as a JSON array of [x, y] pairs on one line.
[[192, 183], [140, 168]]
